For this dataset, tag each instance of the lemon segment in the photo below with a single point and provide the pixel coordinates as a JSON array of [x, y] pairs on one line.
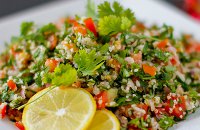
[[60, 109], [104, 120]]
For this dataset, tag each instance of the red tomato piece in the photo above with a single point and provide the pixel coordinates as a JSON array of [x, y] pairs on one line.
[[11, 84], [162, 44], [177, 112], [101, 99], [183, 103], [173, 61], [89, 23], [159, 111], [176, 106], [52, 64], [78, 28], [3, 108], [19, 125], [151, 70]]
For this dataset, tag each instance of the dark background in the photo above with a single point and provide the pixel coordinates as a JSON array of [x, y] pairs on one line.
[[12, 6]]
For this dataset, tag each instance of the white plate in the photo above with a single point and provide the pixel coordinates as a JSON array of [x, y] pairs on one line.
[[149, 11]]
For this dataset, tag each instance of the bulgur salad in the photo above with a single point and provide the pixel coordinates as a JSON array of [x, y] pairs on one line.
[[148, 78]]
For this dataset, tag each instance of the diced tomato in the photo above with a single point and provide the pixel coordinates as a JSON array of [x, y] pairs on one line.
[[162, 44], [11, 84], [151, 70], [53, 41], [177, 112], [101, 99], [3, 108], [182, 103], [176, 106], [137, 57], [145, 107], [89, 23], [159, 111], [78, 28], [19, 125], [52, 64], [173, 61]]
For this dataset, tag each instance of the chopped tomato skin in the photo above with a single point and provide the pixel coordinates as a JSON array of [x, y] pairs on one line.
[[183, 103], [52, 64], [3, 108], [78, 28], [173, 61], [11, 84], [162, 44], [101, 99], [19, 125], [159, 111], [89, 23], [151, 70], [176, 106]]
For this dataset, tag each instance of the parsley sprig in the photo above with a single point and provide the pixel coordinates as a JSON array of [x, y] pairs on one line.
[[114, 19], [87, 63]]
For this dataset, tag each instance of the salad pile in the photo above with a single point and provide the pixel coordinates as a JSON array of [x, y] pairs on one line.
[[148, 78]]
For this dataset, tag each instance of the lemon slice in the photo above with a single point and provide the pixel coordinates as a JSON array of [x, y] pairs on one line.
[[104, 120], [60, 109]]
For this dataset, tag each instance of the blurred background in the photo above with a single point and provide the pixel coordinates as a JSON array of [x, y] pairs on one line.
[[191, 7]]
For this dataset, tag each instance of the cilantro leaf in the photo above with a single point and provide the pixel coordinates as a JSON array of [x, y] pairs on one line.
[[88, 62], [109, 24], [63, 75], [114, 19], [125, 23], [113, 24], [25, 28], [105, 9]]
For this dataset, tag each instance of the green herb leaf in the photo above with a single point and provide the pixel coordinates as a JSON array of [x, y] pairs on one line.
[[109, 24], [114, 19], [63, 75], [125, 23], [105, 9], [88, 62], [26, 27], [166, 122], [50, 28]]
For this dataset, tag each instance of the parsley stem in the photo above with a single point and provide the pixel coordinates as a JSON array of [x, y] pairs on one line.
[[36, 98]]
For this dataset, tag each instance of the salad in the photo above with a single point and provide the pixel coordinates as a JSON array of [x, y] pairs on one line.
[[147, 78]]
